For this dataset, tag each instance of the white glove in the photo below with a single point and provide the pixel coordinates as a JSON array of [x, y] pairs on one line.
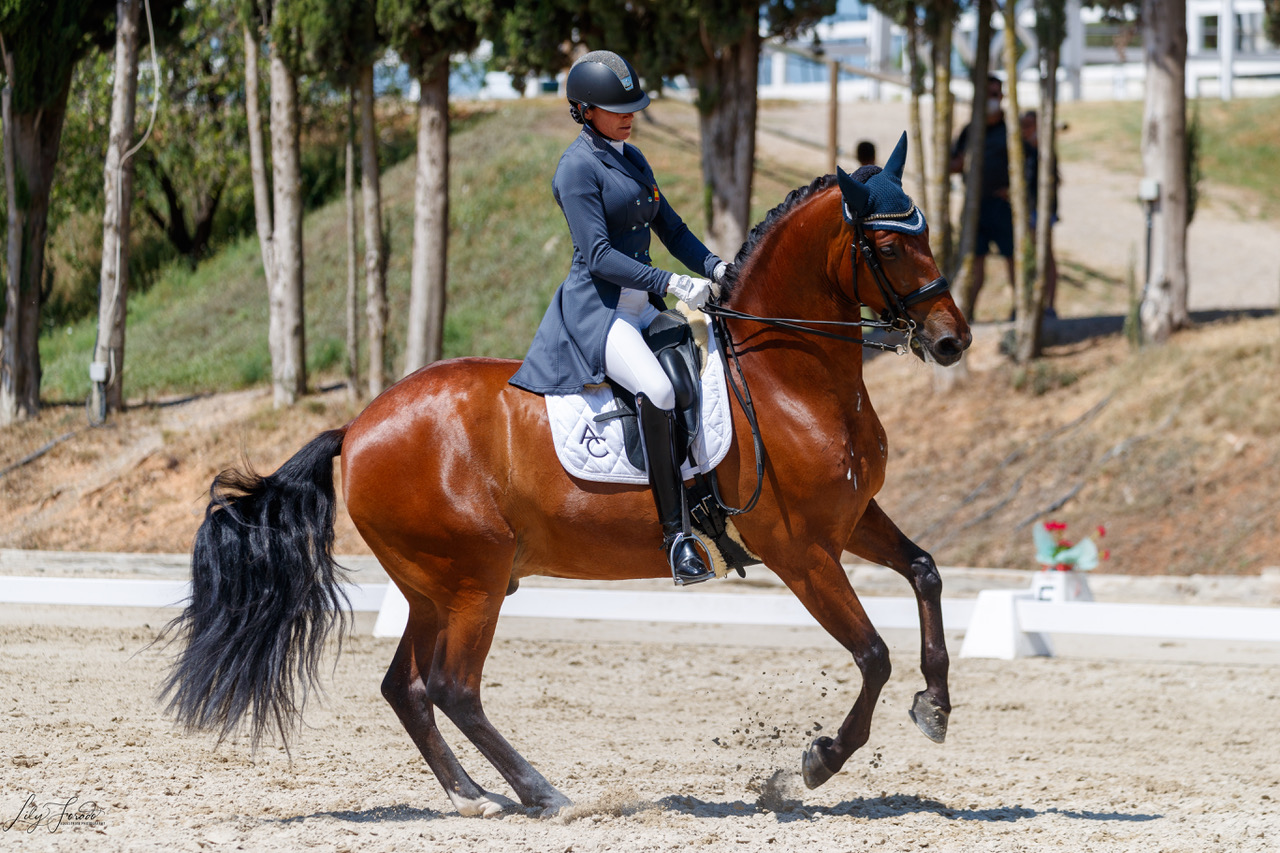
[[689, 290], [717, 274]]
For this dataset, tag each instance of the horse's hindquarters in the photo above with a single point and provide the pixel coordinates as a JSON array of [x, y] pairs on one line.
[[451, 478]]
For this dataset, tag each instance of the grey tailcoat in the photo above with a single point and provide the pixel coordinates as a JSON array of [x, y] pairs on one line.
[[611, 203]]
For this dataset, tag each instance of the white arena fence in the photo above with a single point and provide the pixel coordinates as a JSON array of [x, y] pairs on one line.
[[999, 623]]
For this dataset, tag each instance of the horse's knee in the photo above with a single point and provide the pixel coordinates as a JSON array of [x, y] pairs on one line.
[[873, 663], [925, 577]]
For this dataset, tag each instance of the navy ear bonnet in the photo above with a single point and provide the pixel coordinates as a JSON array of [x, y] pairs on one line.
[[881, 203]]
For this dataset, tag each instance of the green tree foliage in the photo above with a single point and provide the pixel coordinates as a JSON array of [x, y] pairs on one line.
[[193, 176], [426, 32]]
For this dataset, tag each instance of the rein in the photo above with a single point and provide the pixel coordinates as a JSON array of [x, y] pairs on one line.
[[893, 318]]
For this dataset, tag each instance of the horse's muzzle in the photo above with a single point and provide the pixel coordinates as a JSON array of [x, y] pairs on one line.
[[947, 348]]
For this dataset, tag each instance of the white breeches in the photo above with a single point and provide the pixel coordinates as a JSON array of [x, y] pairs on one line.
[[629, 362]]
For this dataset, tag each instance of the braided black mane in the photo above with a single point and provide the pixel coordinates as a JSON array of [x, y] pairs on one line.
[[794, 198]]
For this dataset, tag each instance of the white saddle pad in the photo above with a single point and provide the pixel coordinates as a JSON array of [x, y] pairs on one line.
[[597, 451]]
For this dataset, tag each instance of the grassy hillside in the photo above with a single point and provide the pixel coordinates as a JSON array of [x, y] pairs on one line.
[[206, 329], [1237, 140]]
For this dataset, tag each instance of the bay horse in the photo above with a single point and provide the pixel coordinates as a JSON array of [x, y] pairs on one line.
[[451, 478]]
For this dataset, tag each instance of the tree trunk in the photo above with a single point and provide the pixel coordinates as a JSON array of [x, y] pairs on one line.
[[1028, 299], [943, 106], [963, 275], [1164, 158], [289, 375], [727, 120], [30, 152], [113, 284], [430, 222], [375, 281], [353, 293], [915, 128], [262, 204]]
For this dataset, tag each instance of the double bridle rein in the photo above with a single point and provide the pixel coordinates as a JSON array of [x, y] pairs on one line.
[[893, 318]]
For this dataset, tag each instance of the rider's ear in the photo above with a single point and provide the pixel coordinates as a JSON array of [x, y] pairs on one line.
[[857, 198]]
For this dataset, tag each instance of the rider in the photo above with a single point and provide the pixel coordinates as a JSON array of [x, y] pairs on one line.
[[592, 328]]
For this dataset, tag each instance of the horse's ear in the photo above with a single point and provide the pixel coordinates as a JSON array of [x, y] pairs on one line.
[[857, 198], [898, 159]]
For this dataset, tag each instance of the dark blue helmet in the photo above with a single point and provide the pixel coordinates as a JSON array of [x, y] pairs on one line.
[[603, 79]]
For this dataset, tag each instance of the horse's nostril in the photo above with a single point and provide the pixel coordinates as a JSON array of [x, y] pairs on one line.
[[948, 349]]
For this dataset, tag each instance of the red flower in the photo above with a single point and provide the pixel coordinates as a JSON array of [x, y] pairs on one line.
[[1064, 543], [1102, 531], [1106, 555], [1062, 567], [1055, 526]]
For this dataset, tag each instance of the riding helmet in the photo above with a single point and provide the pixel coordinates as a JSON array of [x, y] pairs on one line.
[[603, 79]]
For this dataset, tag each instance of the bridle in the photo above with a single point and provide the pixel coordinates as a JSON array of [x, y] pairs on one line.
[[894, 318]]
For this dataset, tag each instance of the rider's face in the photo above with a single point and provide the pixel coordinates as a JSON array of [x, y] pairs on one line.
[[616, 126]]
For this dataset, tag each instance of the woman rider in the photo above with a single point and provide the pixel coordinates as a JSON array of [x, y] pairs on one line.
[[592, 328]]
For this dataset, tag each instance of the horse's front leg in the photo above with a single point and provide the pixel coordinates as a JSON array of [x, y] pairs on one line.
[[877, 539], [825, 592]]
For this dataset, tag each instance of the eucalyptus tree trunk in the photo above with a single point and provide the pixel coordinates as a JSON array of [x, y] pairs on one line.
[[375, 280], [915, 128], [262, 204], [1028, 298], [430, 221], [1164, 158], [353, 298], [113, 284], [939, 194], [1046, 188], [289, 374], [727, 120], [31, 143], [974, 163]]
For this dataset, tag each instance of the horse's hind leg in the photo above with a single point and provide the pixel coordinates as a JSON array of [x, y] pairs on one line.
[[405, 689], [454, 687], [878, 539]]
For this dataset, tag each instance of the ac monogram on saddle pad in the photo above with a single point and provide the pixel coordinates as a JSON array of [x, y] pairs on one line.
[[596, 450]]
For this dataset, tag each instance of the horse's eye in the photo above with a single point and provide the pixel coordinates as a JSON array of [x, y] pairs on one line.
[[887, 251]]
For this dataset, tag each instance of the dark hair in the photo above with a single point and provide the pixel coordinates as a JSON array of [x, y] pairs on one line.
[[866, 152]]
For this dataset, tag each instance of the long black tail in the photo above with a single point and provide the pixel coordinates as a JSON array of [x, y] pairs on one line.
[[265, 593]]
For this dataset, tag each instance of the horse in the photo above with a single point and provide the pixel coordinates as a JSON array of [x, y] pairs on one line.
[[451, 478]]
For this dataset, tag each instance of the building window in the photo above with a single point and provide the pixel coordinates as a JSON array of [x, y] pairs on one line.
[[801, 70]]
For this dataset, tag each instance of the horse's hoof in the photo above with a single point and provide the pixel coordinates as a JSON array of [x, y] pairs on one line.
[[813, 769], [558, 806], [931, 719], [487, 805]]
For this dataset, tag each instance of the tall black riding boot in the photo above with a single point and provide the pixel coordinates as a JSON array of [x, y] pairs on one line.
[[657, 433]]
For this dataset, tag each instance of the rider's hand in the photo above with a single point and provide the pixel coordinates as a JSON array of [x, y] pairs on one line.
[[689, 290], [717, 274]]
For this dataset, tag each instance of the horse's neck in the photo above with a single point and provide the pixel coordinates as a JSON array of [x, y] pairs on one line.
[[790, 275]]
